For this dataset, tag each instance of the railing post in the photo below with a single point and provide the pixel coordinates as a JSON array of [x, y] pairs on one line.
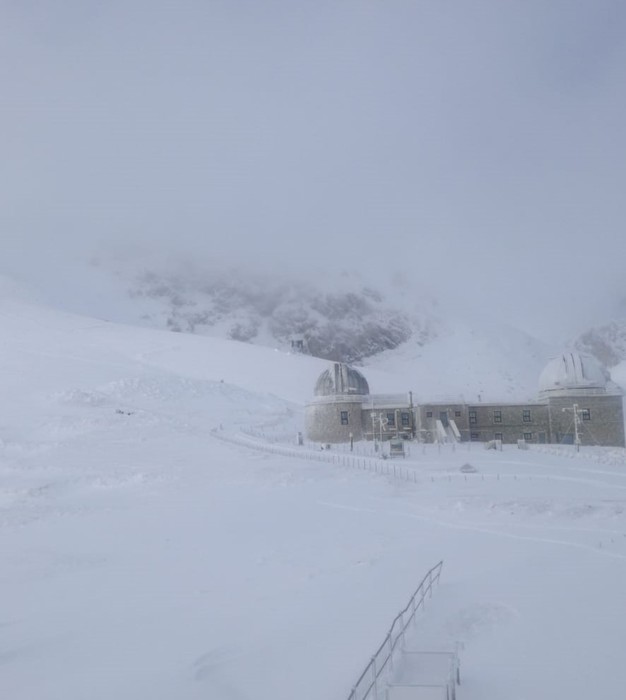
[[374, 678], [390, 653], [402, 628], [430, 583]]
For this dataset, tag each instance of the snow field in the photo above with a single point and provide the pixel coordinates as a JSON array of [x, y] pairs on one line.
[[142, 557]]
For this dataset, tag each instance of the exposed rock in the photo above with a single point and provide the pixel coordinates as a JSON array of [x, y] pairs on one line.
[[607, 343], [346, 326]]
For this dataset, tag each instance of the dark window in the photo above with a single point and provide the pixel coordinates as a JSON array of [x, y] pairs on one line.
[[474, 436], [472, 418], [528, 437], [457, 414], [526, 416], [391, 419], [406, 420], [585, 414], [497, 436], [429, 414], [497, 416], [344, 418]]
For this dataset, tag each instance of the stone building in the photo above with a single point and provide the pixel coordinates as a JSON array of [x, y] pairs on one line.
[[576, 402]]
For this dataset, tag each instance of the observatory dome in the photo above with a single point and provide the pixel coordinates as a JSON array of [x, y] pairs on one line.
[[571, 371], [341, 379]]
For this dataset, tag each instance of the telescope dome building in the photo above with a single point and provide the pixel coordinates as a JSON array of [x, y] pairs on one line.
[[334, 415], [576, 403], [570, 373]]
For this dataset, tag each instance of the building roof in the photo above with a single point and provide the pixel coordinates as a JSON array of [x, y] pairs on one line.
[[341, 379], [570, 372]]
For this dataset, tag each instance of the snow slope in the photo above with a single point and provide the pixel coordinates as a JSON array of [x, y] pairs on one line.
[[144, 558], [395, 326]]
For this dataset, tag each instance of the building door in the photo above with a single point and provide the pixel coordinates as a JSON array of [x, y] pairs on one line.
[[443, 417]]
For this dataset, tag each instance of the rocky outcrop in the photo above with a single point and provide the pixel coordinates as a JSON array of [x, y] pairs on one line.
[[607, 343], [346, 326]]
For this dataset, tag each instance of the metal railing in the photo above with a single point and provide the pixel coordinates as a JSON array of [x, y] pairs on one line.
[[367, 685]]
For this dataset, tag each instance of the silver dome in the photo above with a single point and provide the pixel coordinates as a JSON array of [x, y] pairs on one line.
[[341, 379], [572, 371]]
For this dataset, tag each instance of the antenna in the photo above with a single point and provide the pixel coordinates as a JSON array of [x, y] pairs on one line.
[[577, 412]]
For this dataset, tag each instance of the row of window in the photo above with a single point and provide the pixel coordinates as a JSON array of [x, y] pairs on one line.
[[499, 436], [585, 414], [457, 414], [526, 416], [405, 419], [497, 416]]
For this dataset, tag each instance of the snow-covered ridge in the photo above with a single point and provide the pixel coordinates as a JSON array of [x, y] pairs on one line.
[[606, 342], [346, 324], [394, 326], [404, 339]]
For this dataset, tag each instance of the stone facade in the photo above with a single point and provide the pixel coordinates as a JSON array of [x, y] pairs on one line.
[[574, 400], [600, 421], [335, 419], [509, 423]]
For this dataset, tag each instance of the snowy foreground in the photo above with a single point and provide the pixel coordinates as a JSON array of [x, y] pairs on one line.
[[144, 557]]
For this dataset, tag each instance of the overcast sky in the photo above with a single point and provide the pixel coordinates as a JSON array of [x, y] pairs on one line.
[[479, 146]]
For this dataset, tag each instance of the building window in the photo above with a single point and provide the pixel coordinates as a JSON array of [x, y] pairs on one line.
[[497, 416], [474, 436], [457, 414], [472, 418], [526, 415], [344, 418], [585, 414], [528, 437], [497, 436], [405, 419], [391, 419], [429, 414]]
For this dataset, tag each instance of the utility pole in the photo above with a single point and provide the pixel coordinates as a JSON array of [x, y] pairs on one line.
[[374, 417]]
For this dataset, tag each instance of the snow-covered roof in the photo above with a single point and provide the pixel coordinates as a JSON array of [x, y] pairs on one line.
[[387, 401], [572, 371], [341, 379]]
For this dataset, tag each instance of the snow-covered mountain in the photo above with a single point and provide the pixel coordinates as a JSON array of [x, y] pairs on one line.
[[346, 324], [393, 327], [606, 342]]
